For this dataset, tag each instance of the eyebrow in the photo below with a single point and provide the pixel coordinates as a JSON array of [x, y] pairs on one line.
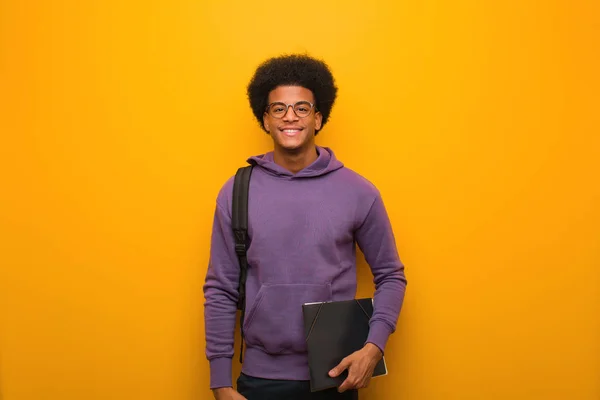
[[285, 102]]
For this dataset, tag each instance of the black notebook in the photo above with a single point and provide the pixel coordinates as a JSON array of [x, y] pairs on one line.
[[334, 330]]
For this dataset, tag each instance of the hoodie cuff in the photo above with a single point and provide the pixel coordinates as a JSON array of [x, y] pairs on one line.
[[379, 333], [220, 373]]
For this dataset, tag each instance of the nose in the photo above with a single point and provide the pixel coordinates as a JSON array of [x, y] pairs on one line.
[[290, 114]]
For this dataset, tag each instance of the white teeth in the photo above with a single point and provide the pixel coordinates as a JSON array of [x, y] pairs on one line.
[[290, 130]]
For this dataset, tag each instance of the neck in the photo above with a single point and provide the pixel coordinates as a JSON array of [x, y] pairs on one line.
[[295, 160]]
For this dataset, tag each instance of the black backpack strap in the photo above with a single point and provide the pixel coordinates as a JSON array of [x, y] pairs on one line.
[[239, 222]]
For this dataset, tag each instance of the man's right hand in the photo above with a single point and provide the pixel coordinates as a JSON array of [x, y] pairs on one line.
[[227, 393]]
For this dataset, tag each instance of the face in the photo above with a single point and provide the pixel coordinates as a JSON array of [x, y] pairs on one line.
[[292, 133]]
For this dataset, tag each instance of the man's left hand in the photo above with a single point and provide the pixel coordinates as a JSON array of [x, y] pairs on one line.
[[360, 366]]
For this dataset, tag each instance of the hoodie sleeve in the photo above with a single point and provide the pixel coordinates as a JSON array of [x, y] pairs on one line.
[[221, 294], [376, 240]]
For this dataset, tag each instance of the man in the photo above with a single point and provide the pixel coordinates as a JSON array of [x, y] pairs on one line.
[[306, 213]]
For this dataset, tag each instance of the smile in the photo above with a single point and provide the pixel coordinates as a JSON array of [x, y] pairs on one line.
[[290, 131]]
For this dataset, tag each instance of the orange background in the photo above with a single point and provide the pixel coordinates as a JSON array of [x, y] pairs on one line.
[[479, 122]]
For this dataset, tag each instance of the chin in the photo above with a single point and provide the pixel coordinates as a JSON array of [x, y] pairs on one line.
[[291, 149], [291, 146]]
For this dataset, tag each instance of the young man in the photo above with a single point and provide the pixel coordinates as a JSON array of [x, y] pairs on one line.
[[306, 214]]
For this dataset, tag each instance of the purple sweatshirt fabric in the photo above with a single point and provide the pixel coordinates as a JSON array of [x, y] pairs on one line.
[[303, 231]]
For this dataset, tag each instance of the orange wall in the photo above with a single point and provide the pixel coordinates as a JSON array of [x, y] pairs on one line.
[[478, 121]]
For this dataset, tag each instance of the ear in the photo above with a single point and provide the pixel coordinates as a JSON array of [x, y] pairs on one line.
[[266, 123], [318, 120]]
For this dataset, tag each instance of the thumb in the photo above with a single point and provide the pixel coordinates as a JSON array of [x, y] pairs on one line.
[[339, 368]]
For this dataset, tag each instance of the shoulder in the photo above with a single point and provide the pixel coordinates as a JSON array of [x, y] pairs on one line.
[[358, 191], [225, 194], [357, 183]]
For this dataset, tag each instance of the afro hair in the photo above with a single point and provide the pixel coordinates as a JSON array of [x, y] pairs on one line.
[[292, 70]]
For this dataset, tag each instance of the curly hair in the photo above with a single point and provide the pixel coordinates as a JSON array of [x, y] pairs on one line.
[[293, 70]]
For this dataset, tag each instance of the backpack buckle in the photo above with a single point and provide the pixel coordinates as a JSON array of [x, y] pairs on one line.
[[240, 249]]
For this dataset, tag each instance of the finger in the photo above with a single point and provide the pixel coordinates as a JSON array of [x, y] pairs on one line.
[[347, 384], [339, 368], [351, 382], [362, 384], [365, 380]]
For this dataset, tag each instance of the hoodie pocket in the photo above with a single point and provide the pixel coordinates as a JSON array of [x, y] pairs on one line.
[[275, 322]]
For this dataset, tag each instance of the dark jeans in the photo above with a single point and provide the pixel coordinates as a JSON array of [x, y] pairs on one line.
[[268, 389]]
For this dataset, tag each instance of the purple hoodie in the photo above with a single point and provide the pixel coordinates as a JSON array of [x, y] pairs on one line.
[[303, 228]]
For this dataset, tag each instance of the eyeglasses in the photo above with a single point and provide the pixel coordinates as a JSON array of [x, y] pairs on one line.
[[301, 108]]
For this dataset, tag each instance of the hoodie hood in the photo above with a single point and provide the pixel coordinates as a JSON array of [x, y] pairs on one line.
[[325, 163]]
